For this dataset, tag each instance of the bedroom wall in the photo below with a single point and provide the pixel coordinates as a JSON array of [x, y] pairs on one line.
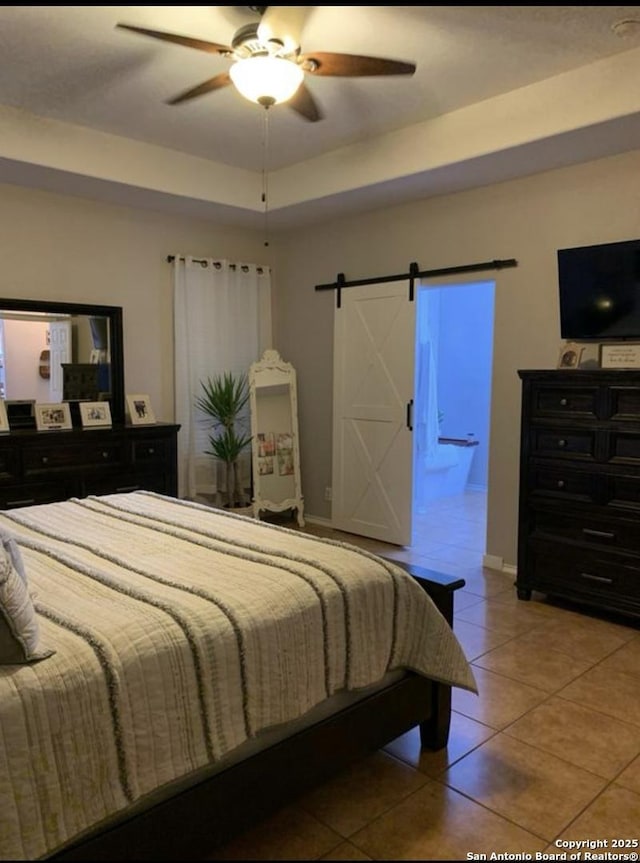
[[58, 247], [526, 219]]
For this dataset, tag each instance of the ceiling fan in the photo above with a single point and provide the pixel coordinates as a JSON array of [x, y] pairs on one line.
[[268, 64]]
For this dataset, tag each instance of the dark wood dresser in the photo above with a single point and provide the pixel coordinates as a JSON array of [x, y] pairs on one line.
[[579, 507], [45, 466]]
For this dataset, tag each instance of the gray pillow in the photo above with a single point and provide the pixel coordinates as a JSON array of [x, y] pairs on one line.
[[19, 631], [9, 542]]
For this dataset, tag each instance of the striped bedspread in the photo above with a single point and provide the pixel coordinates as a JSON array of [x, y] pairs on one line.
[[180, 632]]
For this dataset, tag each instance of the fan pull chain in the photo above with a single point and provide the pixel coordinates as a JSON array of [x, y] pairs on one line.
[[265, 173]]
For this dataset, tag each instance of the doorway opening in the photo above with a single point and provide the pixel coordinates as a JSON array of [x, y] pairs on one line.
[[451, 422]]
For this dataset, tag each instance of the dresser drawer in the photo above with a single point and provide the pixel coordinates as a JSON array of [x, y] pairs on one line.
[[567, 571], [622, 447], [567, 443], [624, 491], [78, 455], [586, 529], [564, 401], [562, 482], [131, 480], [9, 463], [28, 494], [624, 403], [151, 452]]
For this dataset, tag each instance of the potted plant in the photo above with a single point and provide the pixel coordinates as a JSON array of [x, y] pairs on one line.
[[224, 399]]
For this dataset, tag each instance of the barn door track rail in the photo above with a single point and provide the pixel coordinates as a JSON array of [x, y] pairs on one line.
[[414, 273]]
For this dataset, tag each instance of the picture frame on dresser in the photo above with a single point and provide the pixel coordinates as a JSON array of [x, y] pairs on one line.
[[570, 356], [95, 414], [53, 416], [139, 410], [617, 356], [21, 413]]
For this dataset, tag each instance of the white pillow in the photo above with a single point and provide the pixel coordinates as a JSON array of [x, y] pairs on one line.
[[9, 542], [19, 631]]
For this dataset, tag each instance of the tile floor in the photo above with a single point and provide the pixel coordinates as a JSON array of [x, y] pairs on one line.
[[548, 752]]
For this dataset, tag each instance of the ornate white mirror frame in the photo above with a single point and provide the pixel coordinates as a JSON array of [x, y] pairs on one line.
[[275, 443]]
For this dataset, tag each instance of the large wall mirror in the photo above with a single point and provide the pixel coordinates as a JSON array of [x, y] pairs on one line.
[[54, 352]]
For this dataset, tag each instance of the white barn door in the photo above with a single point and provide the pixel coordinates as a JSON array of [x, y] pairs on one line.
[[374, 353]]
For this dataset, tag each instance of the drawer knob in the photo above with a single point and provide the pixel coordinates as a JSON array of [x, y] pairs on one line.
[[45, 459], [564, 402], [105, 454], [562, 443], [151, 450], [561, 483]]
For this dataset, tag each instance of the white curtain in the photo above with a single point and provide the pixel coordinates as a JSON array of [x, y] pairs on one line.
[[222, 323]]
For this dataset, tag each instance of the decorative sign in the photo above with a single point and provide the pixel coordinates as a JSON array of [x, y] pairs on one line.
[[620, 357]]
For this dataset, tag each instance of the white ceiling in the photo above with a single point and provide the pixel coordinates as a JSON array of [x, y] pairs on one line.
[[499, 91]]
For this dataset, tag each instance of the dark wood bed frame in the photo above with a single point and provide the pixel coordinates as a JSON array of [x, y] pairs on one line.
[[198, 819]]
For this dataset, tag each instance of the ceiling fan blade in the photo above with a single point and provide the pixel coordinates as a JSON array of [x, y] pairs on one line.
[[352, 65], [187, 41], [303, 103], [222, 80], [283, 24]]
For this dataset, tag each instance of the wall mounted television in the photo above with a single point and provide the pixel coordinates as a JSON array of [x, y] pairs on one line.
[[599, 288]]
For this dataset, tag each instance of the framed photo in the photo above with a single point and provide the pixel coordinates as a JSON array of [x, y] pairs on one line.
[[140, 410], [620, 356], [4, 419], [95, 414], [50, 417], [21, 413], [570, 356]]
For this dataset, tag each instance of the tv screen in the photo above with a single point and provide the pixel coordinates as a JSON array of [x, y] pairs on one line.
[[599, 290]]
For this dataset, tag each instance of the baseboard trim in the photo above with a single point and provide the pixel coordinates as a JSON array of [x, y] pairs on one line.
[[494, 561], [318, 519]]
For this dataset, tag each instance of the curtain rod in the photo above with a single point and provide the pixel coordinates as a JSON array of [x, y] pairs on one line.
[[415, 273], [217, 264]]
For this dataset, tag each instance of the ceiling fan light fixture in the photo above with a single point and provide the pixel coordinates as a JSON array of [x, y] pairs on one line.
[[266, 80]]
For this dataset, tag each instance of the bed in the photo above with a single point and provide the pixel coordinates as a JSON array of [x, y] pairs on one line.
[[191, 668]]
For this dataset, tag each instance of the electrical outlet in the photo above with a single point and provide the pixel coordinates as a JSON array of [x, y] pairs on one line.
[[328, 493]]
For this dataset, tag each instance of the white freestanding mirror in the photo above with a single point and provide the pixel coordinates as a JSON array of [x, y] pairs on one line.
[[274, 428]]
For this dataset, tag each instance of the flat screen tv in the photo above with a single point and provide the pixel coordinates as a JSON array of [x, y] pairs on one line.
[[599, 290]]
